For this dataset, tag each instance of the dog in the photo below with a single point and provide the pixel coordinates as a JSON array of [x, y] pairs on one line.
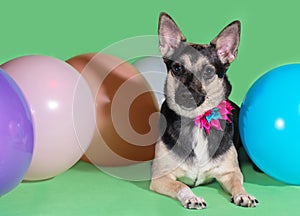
[[196, 127]]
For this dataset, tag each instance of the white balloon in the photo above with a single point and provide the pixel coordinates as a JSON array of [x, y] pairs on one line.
[[62, 107], [154, 71]]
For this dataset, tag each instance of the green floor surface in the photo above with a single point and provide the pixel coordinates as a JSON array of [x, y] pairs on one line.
[[84, 190]]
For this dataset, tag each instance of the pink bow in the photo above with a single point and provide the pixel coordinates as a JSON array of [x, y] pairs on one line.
[[211, 117]]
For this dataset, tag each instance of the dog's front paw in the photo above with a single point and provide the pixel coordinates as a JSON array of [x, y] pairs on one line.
[[244, 200], [194, 203]]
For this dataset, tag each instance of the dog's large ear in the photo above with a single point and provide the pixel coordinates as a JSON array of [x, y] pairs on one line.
[[227, 42], [169, 34]]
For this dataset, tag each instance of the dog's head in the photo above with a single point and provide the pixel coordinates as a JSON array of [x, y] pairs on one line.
[[196, 79]]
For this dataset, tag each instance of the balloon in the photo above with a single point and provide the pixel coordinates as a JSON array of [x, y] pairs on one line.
[[63, 112], [154, 70], [16, 134], [270, 123], [125, 111]]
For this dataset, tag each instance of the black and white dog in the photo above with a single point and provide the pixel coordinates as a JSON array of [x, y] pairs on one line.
[[196, 126]]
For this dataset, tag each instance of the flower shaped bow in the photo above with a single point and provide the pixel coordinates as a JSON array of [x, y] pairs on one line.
[[211, 117]]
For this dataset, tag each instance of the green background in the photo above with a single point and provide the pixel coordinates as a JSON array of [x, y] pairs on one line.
[[63, 29]]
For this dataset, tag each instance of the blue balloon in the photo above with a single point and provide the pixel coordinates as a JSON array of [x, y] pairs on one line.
[[16, 134], [270, 123]]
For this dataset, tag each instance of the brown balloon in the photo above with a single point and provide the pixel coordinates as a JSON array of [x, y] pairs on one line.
[[126, 111]]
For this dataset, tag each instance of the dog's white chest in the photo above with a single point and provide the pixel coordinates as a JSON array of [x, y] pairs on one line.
[[200, 147], [197, 172]]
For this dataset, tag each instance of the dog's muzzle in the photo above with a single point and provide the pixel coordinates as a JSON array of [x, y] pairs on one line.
[[189, 99]]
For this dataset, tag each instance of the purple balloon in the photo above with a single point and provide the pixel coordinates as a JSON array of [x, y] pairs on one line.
[[16, 134]]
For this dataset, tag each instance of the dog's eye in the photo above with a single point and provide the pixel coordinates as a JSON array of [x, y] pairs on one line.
[[177, 68], [209, 69]]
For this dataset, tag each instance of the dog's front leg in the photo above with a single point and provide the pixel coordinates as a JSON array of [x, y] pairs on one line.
[[168, 185], [231, 179], [233, 183]]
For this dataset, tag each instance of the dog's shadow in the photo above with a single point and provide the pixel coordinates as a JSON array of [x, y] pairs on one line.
[[142, 184], [252, 175]]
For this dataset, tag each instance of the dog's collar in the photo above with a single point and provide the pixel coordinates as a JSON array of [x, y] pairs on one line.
[[211, 117]]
